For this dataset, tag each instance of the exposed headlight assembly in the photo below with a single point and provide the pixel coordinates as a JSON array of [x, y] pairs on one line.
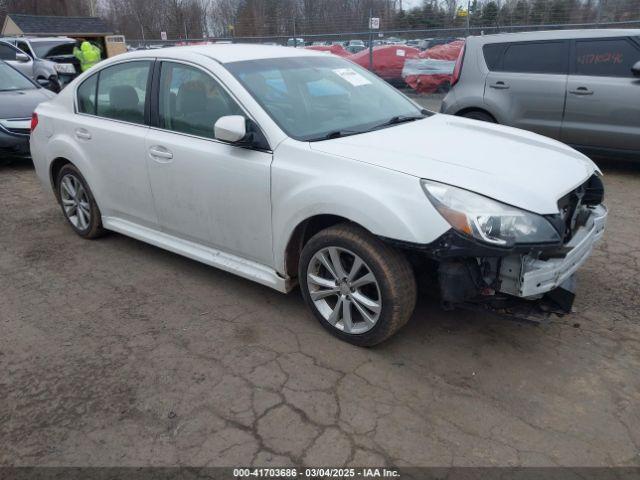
[[65, 68], [488, 220]]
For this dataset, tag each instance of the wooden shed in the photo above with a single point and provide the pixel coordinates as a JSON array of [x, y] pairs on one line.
[[91, 28]]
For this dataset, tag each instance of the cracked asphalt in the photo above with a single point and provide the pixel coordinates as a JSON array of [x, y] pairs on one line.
[[115, 353]]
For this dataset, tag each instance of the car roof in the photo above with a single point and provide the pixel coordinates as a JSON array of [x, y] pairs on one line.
[[228, 53], [558, 35]]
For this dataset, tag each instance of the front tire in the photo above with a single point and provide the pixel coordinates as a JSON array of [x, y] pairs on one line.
[[359, 288], [77, 202]]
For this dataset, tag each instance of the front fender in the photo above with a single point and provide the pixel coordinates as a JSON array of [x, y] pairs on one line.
[[385, 202]]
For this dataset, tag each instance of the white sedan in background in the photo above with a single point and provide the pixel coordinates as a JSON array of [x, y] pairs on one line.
[[294, 167]]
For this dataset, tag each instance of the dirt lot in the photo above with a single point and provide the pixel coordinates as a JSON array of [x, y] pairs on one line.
[[113, 352]]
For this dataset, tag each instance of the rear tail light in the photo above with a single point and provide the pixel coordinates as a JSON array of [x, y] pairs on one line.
[[458, 68], [34, 121]]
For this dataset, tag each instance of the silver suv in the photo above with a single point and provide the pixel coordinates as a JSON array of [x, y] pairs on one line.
[[17, 59], [53, 59], [581, 87]]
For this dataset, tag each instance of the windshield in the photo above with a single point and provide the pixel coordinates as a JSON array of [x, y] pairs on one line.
[[52, 49], [311, 97], [11, 80]]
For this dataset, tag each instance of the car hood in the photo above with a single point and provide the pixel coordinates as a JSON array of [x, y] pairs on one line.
[[516, 167], [22, 103]]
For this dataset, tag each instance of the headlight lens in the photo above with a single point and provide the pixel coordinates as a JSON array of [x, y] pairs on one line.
[[488, 220], [65, 68]]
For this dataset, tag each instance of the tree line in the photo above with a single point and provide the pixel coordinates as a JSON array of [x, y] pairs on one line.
[[145, 19]]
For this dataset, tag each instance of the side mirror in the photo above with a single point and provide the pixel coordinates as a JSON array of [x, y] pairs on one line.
[[22, 57], [231, 128], [636, 69]]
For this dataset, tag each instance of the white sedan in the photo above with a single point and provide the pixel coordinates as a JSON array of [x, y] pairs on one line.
[[295, 167]]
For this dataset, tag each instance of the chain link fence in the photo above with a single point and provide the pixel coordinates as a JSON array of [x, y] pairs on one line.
[[427, 55], [384, 36]]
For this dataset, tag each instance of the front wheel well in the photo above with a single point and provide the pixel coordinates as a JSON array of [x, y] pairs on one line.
[[301, 235], [464, 111]]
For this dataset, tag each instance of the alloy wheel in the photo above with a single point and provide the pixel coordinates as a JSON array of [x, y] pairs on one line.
[[344, 290], [75, 202]]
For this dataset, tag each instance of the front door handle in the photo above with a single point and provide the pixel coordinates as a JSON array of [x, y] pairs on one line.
[[160, 154], [500, 85], [83, 134], [581, 91]]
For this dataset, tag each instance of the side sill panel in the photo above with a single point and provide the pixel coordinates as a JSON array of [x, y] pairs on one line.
[[224, 261]]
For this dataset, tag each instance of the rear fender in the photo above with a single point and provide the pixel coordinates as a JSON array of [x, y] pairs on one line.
[[62, 146]]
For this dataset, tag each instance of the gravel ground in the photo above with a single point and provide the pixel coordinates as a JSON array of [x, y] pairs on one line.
[[113, 352]]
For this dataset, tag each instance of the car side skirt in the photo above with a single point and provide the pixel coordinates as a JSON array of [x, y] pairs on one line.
[[224, 261]]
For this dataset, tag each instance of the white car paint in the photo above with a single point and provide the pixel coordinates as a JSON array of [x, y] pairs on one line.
[[237, 209], [514, 166]]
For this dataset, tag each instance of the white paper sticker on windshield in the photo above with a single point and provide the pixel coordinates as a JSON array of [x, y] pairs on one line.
[[400, 53], [351, 76]]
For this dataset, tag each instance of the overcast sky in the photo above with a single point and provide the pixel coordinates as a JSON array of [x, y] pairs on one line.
[[406, 4]]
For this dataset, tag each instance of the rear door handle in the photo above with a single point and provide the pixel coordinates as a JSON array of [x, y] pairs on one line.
[[581, 91], [499, 85], [160, 154], [83, 134]]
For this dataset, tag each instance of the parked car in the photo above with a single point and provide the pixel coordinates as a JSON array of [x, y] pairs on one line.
[[295, 42], [52, 56], [580, 87], [434, 42], [355, 48], [16, 58], [19, 96], [423, 44], [295, 167]]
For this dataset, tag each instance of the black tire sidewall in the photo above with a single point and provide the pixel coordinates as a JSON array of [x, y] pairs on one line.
[[95, 224], [383, 327]]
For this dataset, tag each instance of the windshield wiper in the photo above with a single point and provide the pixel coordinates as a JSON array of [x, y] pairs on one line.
[[399, 119], [335, 134], [392, 121]]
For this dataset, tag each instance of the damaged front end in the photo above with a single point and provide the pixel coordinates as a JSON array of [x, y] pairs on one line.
[[524, 281]]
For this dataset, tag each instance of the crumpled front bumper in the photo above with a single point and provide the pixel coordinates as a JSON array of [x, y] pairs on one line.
[[526, 276]]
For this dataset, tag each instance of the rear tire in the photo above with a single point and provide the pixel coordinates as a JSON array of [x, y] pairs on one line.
[[359, 288], [77, 202], [478, 115]]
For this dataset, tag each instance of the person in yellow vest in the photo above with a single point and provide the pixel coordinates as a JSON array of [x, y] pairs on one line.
[[88, 54]]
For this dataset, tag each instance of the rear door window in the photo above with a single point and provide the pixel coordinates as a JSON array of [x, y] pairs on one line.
[[605, 57], [122, 91], [536, 57], [493, 55]]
